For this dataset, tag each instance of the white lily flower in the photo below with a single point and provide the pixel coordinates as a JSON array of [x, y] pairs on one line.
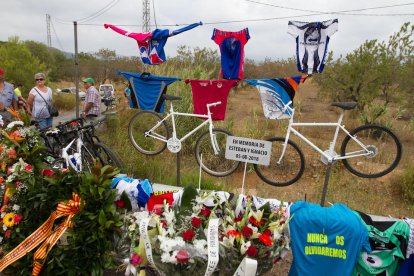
[[244, 246]]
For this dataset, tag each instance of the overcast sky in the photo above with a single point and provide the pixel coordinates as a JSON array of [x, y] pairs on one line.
[[269, 38]]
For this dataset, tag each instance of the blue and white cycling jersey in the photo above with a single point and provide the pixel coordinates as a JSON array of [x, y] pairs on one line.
[[276, 94], [312, 41]]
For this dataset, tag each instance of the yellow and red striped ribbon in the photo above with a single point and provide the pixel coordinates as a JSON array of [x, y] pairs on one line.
[[68, 210]]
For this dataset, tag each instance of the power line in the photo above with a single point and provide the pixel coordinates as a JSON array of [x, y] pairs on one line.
[[57, 38], [250, 20], [96, 14], [326, 12]]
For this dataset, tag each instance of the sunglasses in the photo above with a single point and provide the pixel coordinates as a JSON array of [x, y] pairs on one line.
[[40, 79]]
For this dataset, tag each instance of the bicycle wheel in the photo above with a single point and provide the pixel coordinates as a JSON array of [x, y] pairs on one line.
[[107, 157], [385, 146], [290, 168], [216, 165], [88, 158], [141, 123]]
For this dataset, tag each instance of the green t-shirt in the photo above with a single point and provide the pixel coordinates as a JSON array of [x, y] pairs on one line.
[[388, 239], [18, 92]]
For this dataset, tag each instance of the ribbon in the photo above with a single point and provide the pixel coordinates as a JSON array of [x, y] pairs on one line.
[[247, 267], [213, 246], [143, 231], [44, 233]]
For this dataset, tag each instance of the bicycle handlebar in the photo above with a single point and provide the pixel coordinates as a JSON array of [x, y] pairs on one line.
[[213, 104]]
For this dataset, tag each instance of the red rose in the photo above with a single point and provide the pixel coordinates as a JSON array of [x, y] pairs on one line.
[[265, 239], [205, 212], [46, 172], [247, 231], [267, 232], [251, 251], [136, 259], [120, 203], [7, 233], [17, 218], [188, 235], [28, 168], [195, 222], [1, 180], [163, 223], [182, 256]]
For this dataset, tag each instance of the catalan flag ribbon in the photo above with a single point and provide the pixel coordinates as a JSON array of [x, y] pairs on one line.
[[44, 233]]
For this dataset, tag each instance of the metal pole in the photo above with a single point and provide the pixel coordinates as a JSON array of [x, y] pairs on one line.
[[75, 28], [325, 185], [178, 169]]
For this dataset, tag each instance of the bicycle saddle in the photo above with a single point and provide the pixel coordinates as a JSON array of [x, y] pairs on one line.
[[345, 105], [171, 97]]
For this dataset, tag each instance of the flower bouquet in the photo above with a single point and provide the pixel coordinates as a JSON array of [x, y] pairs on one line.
[[204, 233]]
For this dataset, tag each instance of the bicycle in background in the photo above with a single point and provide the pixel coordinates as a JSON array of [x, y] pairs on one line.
[[74, 145], [150, 135], [368, 151]]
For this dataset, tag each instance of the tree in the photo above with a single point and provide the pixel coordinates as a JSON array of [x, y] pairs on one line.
[[20, 65], [369, 75]]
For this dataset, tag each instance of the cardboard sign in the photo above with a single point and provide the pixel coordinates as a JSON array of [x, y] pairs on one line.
[[248, 150]]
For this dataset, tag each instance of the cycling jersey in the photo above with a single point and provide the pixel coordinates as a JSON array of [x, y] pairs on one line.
[[312, 41], [276, 93], [147, 90], [210, 91], [232, 52], [151, 45]]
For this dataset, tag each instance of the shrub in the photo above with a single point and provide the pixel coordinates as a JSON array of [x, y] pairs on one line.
[[406, 184]]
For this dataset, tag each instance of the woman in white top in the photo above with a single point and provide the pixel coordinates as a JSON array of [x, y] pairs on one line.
[[39, 98]]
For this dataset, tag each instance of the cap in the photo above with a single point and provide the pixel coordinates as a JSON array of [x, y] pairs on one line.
[[90, 80], [1, 72]]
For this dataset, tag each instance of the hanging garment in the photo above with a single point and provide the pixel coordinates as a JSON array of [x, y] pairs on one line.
[[410, 247], [232, 52], [210, 91], [147, 90], [276, 93], [151, 45], [325, 241], [312, 41], [388, 239]]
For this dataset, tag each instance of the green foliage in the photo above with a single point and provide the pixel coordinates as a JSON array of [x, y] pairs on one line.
[[19, 63], [406, 184], [372, 75], [87, 250]]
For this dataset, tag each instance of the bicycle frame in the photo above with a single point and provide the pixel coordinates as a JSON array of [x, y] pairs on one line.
[[172, 114], [77, 162], [330, 154]]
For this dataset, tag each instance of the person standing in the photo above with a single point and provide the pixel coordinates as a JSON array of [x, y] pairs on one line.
[[40, 97], [21, 102], [7, 98], [92, 105], [127, 92]]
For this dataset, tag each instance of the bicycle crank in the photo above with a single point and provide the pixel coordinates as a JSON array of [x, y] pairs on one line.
[[174, 145]]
